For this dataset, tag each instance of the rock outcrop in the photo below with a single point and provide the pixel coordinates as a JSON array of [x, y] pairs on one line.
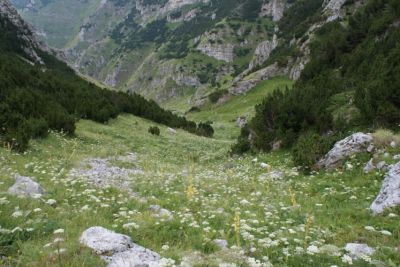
[[354, 144], [274, 9], [263, 52], [118, 250], [26, 187], [332, 9], [223, 52], [245, 85], [389, 195], [24, 31]]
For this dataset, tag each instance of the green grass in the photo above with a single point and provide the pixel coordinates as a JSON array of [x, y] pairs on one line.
[[270, 224], [225, 115]]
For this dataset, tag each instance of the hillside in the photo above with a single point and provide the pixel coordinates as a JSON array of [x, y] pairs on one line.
[[39, 92], [97, 177], [186, 50]]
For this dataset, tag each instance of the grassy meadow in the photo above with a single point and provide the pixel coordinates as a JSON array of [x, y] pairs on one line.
[[270, 214]]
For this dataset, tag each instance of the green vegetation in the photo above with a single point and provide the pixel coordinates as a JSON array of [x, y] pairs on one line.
[[359, 61], [37, 98], [280, 218], [154, 130]]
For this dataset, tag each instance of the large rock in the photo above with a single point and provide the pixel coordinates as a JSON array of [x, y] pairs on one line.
[[354, 144], [26, 187], [389, 195], [118, 250]]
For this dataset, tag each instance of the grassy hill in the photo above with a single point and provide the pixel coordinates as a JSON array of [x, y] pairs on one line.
[[206, 191]]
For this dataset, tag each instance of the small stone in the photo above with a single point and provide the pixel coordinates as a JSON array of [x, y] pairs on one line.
[[369, 166], [393, 144], [265, 165], [221, 243], [381, 165], [159, 212]]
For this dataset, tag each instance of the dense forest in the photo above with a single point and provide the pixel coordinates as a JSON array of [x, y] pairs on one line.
[[35, 98], [351, 82]]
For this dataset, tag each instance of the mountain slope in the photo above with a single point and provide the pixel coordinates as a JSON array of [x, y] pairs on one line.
[[185, 50], [351, 82], [39, 92]]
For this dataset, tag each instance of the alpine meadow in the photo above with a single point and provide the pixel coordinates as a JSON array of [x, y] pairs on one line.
[[200, 133]]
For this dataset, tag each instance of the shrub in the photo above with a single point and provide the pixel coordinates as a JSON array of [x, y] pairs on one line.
[[243, 143], [383, 138], [309, 148], [154, 130], [215, 96], [38, 127], [205, 129]]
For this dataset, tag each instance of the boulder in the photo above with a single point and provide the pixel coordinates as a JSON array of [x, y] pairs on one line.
[[354, 144], [118, 250], [389, 195], [357, 250], [26, 187]]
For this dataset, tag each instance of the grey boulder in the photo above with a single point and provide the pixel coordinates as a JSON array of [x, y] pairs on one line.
[[118, 250], [389, 195], [26, 187], [352, 145]]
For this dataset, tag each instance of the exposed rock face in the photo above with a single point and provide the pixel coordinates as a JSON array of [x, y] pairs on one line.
[[149, 11], [274, 9], [246, 85], [187, 80], [222, 52], [389, 195], [25, 32], [332, 9], [118, 250], [263, 52], [354, 144], [358, 251], [26, 187]]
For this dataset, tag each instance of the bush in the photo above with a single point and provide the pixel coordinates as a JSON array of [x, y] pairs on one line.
[[309, 148], [205, 129], [215, 96], [243, 143], [38, 127], [154, 130]]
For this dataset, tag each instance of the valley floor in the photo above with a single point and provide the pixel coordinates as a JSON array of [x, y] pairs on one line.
[[274, 215]]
